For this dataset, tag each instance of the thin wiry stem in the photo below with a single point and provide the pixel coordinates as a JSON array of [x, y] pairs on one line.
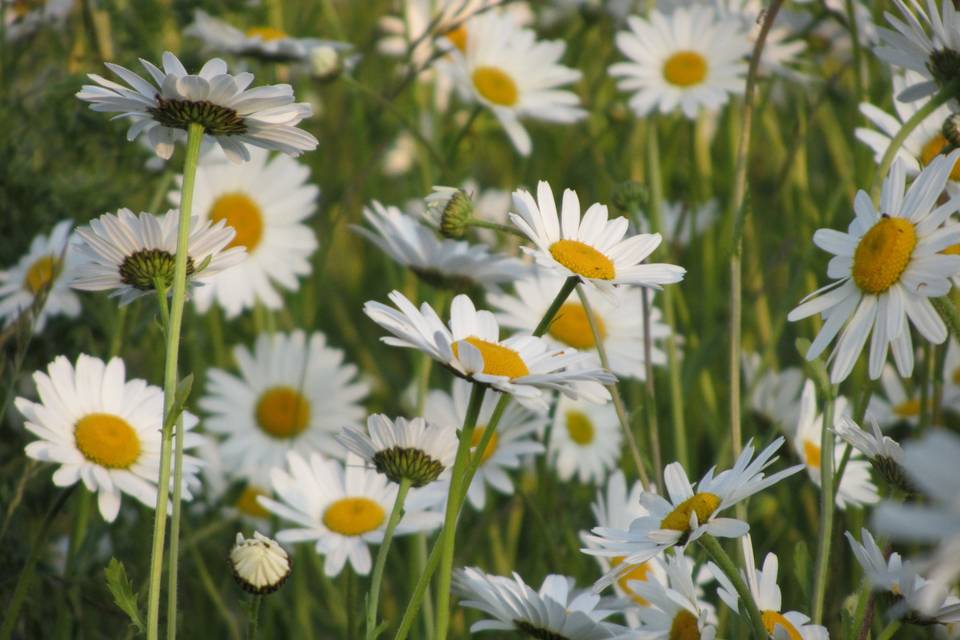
[[822, 566], [377, 578]]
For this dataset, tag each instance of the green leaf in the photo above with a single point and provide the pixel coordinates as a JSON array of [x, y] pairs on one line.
[[801, 567], [179, 400], [123, 594]]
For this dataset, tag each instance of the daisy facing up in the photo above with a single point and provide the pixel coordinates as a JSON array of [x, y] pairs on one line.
[[267, 202], [45, 270], [585, 441], [104, 430], [690, 58], [593, 248], [293, 391], [887, 266]]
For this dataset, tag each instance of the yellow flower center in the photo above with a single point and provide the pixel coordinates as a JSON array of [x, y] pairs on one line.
[[639, 572], [497, 359], [685, 69], [488, 450], [579, 427], [41, 274], [458, 38], [909, 408], [283, 412], [247, 502], [703, 504], [932, 149], [495, 86], [811, 453], [107, 440], [684, 626], [882, 254], [772, 620], [241, 213], [266, 33], [570, 326], [582, 259], [353, 516]]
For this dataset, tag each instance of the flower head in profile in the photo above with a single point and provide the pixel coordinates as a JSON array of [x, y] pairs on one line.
[[131, 255], [104, 430], [886, 267], [231, 114], [675, 607], [883, 452], [260, 565]]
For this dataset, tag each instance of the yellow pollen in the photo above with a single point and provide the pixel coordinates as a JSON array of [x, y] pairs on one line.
[[579, 427], [458, 38], [491, 447], [703, 504], [266, 33], [570, 326], [241, 213], [638, 572], [932, 149], [685, 69], [882, 254], [909, 408], [495, 86], [684, 626], [772, 620], [283, 412], [353, 516], [247, 502], [41, 273], [497, 360], [582, 259], [811, 453], [107, 440]]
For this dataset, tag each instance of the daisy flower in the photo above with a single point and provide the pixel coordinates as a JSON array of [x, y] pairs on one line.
[[675, 608], [522, 365], [927, 42], [293, 392], [104, 430], [619, 319], [260, 565], [23, 18], [856, 486], [43, 271], [232, 116], [593, 247], [790, 625], [688, 514], [506, 69], [129, 253], [221, 481], [438, 261], [774, 395], [266, 201], [449, 209], [888, 264], [342, 508], [883, 452], [513, 441], [557, 610], [585, 440], [690, 58], [897, 404], [412, 450]]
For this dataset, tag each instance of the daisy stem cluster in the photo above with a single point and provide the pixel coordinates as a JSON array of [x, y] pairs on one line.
[[827, 501], [721, 559], [374, 601]]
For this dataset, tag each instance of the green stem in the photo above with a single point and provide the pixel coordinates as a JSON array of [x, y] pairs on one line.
[[253, 618], [381, 562], [568, 286], [926, 384], [433, 561], [722, 560], [496, 226], [194, 137], [821, 568], [890, 630], [206, 580]]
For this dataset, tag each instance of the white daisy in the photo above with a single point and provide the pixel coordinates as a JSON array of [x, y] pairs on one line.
[[897, 405], [44, 271], [506, 69], [557, 610], [619, 319], [688, 514], [877, 447], [585, 441], [593, 248], [23, 18], [414, 450], [266, 201], [782, 49], [675, 608], [103, 430], [887, 265], [775, 395], [790, 625], [856, 486], [927, 42], [690, 58], [522, 365], [260, 565], [230, 114], [438, 261], [129, 254], [513, 442], [293, 392], [342, 508], [242, 487], [444, 207]]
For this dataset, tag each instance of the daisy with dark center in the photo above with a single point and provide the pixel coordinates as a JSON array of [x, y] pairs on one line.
[[133, 255], [888, 265], [230, 114]]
